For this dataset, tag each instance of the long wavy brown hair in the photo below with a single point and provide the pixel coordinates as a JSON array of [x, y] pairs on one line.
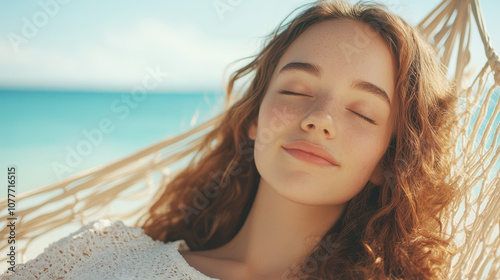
[[392, 230]]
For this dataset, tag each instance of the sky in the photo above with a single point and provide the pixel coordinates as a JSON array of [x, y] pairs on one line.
[[110, 45]]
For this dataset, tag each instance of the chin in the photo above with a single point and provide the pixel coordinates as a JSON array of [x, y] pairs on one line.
[[301, 194]]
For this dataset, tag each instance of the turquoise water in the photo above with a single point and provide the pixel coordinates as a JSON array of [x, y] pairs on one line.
[[50, 135]]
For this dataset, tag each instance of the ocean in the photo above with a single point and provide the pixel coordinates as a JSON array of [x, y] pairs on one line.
[[49, 135]]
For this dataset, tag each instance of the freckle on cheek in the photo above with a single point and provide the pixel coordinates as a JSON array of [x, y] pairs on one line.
[[282, 112]]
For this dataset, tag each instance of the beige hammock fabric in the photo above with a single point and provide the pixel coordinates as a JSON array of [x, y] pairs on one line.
[[473, 219]]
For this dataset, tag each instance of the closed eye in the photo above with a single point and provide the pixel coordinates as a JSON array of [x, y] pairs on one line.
[[363, 117], [291, 93]]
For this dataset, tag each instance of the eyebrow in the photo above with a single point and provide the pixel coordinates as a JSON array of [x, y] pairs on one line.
[[371, 88], [302, 66], [315, 70]]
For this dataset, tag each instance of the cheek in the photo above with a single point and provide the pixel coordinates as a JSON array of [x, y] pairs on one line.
[[276, 115], [366, 148]]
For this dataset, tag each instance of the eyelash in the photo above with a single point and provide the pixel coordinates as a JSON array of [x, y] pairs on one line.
[[357, 114], [291, 93], [363, 117]]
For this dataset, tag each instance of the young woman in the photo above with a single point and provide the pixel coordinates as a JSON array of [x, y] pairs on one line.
[[332, 165], [352, 119]]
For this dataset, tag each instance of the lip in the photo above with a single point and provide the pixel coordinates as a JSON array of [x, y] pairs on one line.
[[309, 152]]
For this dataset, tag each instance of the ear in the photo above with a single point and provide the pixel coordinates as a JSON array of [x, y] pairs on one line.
[[377, 176], [252, 131]]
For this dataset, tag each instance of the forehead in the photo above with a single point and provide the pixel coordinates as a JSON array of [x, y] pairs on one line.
[[344, 50]]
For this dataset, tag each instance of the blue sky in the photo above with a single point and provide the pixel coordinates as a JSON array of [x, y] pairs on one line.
[[107, 45]]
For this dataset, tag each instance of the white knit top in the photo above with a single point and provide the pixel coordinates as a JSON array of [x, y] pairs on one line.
[[107, 249]]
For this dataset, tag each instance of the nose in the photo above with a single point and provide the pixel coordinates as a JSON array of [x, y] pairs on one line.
[[319, 121]]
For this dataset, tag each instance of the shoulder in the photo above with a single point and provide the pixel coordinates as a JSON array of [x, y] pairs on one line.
[[109, 249], [96, 237], [61, 257], [104, 230]]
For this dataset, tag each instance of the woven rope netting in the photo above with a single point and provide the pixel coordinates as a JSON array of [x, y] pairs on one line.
[[473, 219]]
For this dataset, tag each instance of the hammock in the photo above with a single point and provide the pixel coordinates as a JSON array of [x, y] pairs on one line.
[[473, 219]]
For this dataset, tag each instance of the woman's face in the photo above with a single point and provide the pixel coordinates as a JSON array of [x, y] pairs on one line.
[[330, 81]]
